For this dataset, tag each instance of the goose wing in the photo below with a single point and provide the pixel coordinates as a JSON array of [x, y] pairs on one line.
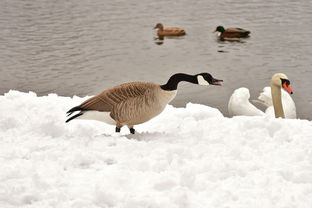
[[111, 97]]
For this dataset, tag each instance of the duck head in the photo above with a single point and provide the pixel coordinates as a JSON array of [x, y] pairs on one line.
[[159, 26], [219, 29]]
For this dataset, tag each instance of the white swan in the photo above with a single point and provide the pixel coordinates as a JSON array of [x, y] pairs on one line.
[[281, 105]]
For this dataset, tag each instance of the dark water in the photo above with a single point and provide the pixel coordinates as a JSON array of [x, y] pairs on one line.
[[78, 47]]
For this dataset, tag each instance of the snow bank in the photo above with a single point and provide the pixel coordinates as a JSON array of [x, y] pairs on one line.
[[186, 157]]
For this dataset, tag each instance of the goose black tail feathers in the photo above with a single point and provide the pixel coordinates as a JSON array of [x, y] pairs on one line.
[[73, 117], [77, 108], [71, 111]]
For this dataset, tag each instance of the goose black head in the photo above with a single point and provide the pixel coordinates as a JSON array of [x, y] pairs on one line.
[[208, 79]]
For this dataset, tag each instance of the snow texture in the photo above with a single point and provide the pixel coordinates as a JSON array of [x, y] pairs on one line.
[[185, 157]]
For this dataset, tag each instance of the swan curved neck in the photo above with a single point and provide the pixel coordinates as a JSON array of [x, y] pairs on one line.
[[277, 101], [174, 80]]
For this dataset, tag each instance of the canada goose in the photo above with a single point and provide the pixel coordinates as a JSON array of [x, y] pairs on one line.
[[135, 102], [169, 31], [231, 32], [278, 102]]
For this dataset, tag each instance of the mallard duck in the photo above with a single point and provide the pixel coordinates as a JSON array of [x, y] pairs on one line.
[[135, 102], [169, 31], [231, 32]]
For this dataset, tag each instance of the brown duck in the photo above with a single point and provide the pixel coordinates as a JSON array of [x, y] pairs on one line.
[[232, 32], [135, 102], [169, 31]]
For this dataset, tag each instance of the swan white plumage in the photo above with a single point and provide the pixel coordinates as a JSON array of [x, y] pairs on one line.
[[239, 103], [288, 103]]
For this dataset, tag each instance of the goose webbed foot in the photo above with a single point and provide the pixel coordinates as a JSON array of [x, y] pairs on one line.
[[132, 130], [117, 129]]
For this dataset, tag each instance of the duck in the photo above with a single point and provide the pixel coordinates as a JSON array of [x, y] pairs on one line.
[[231, 32], [135, 103], [169, 31], [275, 98]]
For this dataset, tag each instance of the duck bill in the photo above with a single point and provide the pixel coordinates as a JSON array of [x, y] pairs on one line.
[[214, 31], [217, 82], [287, 88]]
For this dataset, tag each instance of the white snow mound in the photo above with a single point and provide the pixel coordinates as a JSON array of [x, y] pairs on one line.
[[185, 157]]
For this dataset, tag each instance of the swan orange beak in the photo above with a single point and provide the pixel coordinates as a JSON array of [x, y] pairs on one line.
[[287, 88]]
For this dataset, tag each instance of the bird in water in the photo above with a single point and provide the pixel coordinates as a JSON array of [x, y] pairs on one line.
[[231, 33], [169, 31], [135, 102], [275, 98]]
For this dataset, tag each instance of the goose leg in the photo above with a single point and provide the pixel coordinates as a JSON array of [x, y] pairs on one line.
[[132, 130], [117, 129]]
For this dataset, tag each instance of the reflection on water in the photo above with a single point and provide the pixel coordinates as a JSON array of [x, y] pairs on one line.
[[78, 47], [222, 51], [234, 40], [159, 40]]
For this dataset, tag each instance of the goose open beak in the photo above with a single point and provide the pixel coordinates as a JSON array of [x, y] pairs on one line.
[[287, 88], [217, 82]]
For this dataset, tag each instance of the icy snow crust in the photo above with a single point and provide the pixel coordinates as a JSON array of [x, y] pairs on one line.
[[186, 157]]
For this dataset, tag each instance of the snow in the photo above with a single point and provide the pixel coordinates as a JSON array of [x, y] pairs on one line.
[[185, 157]]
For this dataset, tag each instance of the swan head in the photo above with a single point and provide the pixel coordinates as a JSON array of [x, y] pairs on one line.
[[280, 80], [159, 26], [207, 79]]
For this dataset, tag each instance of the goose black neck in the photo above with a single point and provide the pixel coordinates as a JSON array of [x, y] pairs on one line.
[[174, 80]]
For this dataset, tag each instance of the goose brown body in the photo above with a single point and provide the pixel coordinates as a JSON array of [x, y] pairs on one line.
[[130, 103], [169, 31]]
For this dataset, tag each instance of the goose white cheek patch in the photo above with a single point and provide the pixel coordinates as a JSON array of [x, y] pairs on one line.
[[201, 80]]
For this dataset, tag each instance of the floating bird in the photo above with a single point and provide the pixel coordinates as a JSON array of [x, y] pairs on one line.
[[169, 31], [278, 102], [231, 32], [135, 102]]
